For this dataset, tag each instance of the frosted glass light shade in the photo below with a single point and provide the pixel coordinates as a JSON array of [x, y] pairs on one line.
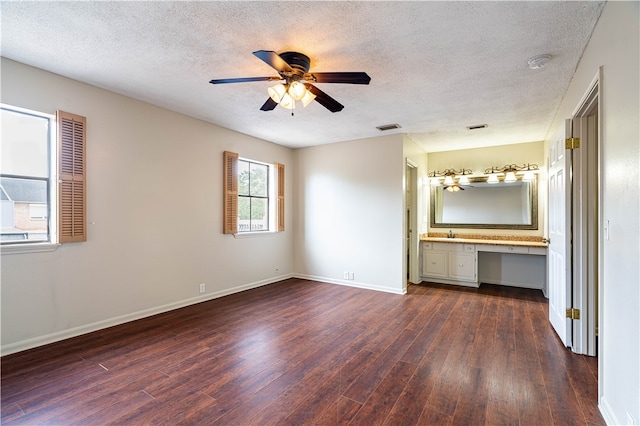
[[528, 175], [448, 180], [277, 92], [307, 98], [296, 90], [287, 102], [510, 177], [464, 180], [493, 178]]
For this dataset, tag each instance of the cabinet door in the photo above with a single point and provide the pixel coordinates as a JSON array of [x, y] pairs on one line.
[[462, 266], [434, 264]]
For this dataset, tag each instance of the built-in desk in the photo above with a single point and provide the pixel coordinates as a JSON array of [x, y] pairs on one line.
[[469, 262]]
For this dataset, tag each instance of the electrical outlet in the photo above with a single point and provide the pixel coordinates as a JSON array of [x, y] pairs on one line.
[[202, 288], [352, 275], [345, 275]]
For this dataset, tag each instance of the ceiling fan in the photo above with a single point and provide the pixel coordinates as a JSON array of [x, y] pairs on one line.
[[293, 68]]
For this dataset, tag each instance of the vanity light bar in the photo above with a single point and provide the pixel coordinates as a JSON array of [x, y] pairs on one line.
[[510, 171]]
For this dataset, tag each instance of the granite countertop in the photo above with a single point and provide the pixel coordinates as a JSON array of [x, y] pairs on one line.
[[487, 240]]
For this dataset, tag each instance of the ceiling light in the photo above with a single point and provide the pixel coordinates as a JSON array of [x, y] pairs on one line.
[[538, 61], [287, 95]]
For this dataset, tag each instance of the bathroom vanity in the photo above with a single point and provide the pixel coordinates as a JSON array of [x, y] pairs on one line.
[[469, 262]]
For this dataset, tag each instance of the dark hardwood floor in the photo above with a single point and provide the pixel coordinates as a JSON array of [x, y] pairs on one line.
[[300, 352]]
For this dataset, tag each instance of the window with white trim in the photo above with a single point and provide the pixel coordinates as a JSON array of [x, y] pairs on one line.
[[253, 195], [42, 177]]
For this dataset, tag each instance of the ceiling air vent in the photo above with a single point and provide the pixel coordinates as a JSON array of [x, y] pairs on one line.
[[477, 126], [388, 127]]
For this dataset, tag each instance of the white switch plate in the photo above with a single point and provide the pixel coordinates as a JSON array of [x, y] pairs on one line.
[[605, 230]]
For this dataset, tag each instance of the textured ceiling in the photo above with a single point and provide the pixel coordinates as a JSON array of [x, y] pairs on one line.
[[435, 67]]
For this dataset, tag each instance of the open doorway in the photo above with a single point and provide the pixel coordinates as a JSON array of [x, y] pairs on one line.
[[411, 255]]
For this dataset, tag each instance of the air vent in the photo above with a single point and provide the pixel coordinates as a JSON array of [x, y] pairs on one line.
[[476, 127], [388, 127]]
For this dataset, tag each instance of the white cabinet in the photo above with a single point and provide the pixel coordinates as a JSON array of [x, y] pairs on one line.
[[450, 263]]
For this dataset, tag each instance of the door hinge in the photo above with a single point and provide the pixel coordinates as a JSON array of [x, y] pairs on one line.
[[572, 143], [573, 313]]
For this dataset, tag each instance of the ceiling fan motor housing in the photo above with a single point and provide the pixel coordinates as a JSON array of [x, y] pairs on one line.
[[298, 61]]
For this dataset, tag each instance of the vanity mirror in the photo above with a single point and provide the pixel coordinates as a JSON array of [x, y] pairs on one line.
[[505, 205]]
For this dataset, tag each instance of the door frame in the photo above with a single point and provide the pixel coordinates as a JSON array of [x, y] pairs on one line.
[[412, 266], [587, 244]]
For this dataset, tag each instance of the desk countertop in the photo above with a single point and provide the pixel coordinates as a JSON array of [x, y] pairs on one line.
[[485, 241]]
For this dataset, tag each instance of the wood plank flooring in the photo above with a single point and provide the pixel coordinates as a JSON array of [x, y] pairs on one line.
[[301, 352]]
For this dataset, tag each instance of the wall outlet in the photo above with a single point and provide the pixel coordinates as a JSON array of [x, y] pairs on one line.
[[345, 275], [203, 288], [352, 275]]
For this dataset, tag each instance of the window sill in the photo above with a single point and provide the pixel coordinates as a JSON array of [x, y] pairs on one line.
[[260, 234], [28, 248]]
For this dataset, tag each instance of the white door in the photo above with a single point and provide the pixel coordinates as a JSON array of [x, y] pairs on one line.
[[559, 258]]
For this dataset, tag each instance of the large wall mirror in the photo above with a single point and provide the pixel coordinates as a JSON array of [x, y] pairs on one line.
[[503, 205]]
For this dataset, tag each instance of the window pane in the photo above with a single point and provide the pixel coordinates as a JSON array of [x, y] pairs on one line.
[[259, 176], [25, 144], [243, 177], [24, 183], [259, 214], [244, 214]]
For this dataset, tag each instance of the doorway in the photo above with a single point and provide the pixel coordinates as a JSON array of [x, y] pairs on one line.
[[411, 255]]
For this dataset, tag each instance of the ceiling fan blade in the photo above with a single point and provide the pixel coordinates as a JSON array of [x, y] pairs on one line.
[[242, 80], [325, 100], [274, 60], [269, 105], [340, 77]]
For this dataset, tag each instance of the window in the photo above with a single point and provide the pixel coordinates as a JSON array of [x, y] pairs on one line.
[[252, 202], [43, 200]]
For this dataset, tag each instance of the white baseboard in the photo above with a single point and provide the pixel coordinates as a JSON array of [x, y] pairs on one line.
[[350, 283], [607, 413], [99, 325]]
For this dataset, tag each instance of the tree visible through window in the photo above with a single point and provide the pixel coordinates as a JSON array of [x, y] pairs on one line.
[[253, 196]]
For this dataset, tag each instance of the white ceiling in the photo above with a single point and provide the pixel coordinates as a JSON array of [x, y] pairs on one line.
[[435, 67]]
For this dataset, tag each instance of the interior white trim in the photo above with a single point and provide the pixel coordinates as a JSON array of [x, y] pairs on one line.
[[99, 325]]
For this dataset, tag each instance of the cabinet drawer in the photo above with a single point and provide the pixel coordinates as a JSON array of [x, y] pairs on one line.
[[504, 249]]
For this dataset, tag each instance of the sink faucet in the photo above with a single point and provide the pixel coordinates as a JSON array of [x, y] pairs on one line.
[[451, 234]]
